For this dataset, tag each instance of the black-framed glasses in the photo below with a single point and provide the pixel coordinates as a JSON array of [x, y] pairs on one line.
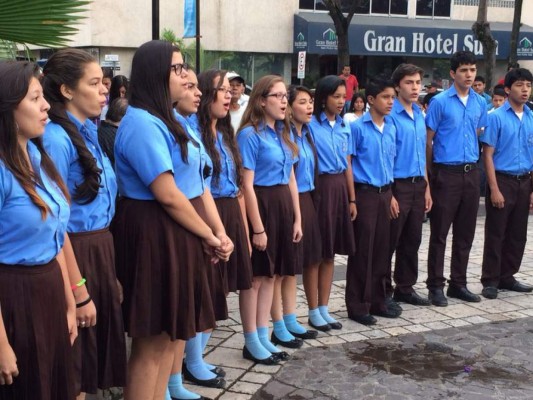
[[179, 68], [278, 96]]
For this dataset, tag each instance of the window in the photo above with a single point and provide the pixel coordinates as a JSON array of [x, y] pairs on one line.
[[433, 8], [387, 7]]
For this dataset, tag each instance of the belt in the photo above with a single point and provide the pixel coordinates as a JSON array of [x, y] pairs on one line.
[[412, 179], [465, 168], [517, 177], [372, 188]]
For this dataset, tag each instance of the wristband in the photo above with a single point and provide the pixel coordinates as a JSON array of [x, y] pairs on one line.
[[352, 201], [84, 303], [79, 284], [258, 233]]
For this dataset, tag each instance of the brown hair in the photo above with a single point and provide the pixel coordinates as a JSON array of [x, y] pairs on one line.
[[404, 70], [67, 67], [254, 115], [15, 78], [209, 96]]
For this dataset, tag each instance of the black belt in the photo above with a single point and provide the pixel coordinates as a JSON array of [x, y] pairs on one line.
[[412, 179], [465, 168], [517, 177], [372, 188]]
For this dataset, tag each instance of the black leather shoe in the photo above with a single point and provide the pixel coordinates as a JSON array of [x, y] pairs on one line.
[[392, 304], [322, 328], [281, 355], [388, 313], [306, 335], [364, 319], [335, 325], [295, 343], [218, 372], [437, 298], [518, 287], [271, 360], [489, 292], [411, 298], [217, 382], [462, 294]]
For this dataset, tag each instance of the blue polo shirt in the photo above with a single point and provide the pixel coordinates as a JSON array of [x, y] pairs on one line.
[[98, 213], [25, 238], [305, 168], [512, 140], [265, 153], [332, 144], [411, 140], [455, 126], [373, 152], [144, 149]]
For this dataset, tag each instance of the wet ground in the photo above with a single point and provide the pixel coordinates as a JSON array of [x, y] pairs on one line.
[[487, 361]]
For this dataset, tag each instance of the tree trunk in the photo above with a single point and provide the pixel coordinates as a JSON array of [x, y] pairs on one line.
[[513, 57], [481, 29]]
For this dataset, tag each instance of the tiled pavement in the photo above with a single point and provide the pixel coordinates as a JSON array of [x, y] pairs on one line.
[[245, 378]]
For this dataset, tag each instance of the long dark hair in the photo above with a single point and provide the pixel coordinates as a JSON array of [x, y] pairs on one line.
[[325, 87], [356, 96], [254, 115], [209, 96], [67, 67], [149, 86], [15, 78], [116, 83]]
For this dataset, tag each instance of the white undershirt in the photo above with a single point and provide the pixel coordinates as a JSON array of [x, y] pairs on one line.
[[464, 100], [332, 123], [380, 127], [519, 115]]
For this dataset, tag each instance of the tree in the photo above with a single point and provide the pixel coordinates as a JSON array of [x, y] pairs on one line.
[[342, 25], [481, 29], [513, 57], [47, 23]]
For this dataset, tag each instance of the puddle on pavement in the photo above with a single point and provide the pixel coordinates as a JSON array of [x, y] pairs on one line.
[[432, 361]]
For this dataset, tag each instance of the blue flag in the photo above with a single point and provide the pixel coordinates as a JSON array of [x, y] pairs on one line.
[[189, 18]]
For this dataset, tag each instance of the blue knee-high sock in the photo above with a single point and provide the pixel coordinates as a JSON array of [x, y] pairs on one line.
[[254, 345], [315, 318], [262, 332], [292, 324], [325, 314], [281, 331], [205, 339], [178, 391], [193, 359]]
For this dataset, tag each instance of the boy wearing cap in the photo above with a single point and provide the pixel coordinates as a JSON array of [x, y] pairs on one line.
[[239, 100]]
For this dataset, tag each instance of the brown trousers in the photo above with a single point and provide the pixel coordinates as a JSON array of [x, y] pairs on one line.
[[505, 232]]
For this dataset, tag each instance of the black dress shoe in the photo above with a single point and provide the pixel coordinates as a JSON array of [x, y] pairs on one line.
[[322, 328], [295, 343], [364, 319], [281, 355], [218, 372], [489, 292], [392, 304], [437, 298], [306, 335], [518, 287], [462, 293], [216, 382], [335, 325], [411, 298], [388, 313], [271, 360]]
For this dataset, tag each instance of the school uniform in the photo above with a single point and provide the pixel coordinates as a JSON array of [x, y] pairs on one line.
[[305, 170], [409, 190], [454, 182], [237, 271], [265, 153], [332, 142], [100, 351], [373, 155], [506, 228], [162, 264], [32, 290]]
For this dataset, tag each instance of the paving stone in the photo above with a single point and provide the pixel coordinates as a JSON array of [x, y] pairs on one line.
[[255, 377], [246, 387]]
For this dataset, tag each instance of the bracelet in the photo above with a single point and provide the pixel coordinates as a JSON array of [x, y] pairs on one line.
[[79, 284], [258, 233], [84, 303], [352, 201]]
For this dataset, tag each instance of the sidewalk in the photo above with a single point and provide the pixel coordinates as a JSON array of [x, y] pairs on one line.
[[244, 379]]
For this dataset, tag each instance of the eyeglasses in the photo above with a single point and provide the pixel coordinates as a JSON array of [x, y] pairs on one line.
[[178, 68], [279, 96], [223, 90]]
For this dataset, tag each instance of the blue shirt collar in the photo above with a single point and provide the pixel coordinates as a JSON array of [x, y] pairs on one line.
[[507, 106], [453, 92], [398, 108], [323, 118], [85, 128]]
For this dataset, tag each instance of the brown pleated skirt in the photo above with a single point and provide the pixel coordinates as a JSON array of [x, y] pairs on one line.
[[32, 299], [238, 270], [277, 214], [310, 249], [162, 268], [99, 351], [334, 216], [215, 273]]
